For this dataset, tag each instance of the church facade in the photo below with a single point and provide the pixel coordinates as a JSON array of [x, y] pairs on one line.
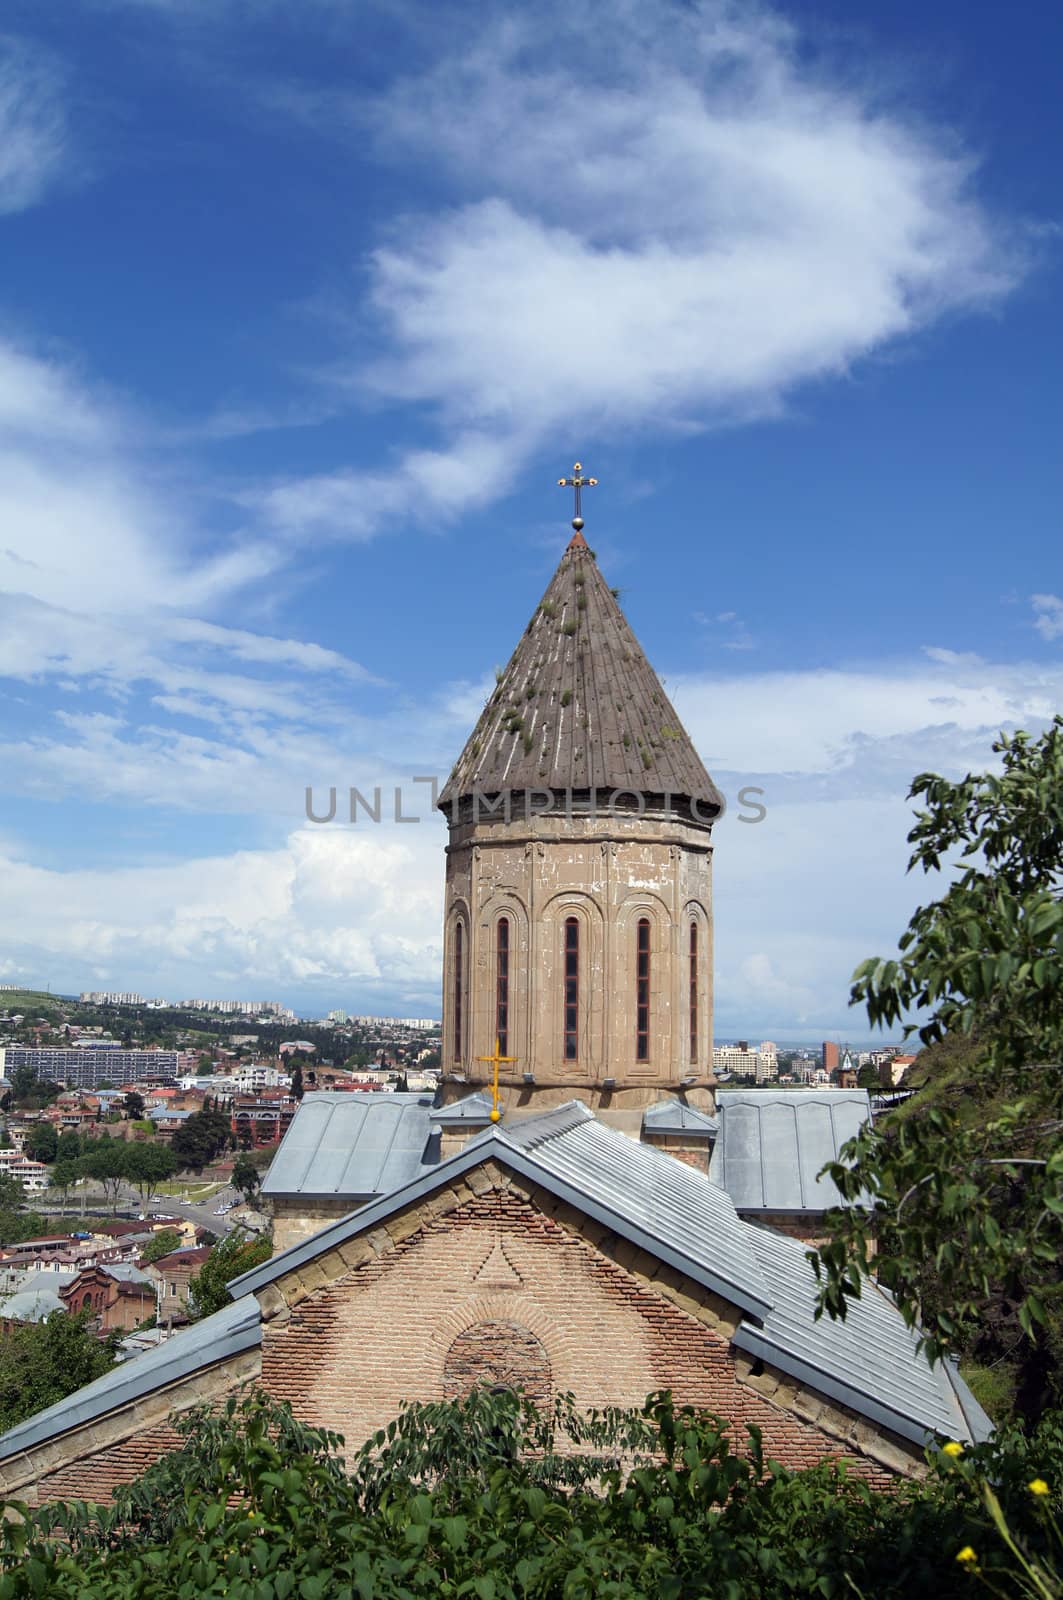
[[559, 1230]]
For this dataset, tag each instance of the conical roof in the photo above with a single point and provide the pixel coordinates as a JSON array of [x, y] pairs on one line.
[[579, 707]]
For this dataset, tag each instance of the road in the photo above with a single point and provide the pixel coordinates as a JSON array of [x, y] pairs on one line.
[[203, 1216], [163, 1206]]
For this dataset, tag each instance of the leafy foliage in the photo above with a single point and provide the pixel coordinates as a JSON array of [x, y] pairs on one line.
[[246, 1178], [208, 1290], [160, 1244], [42, 1142], [203, 1136], [43, 1362], [457, 1501], [967, 1194]]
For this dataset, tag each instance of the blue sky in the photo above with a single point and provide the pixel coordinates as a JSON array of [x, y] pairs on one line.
[[303, 312]]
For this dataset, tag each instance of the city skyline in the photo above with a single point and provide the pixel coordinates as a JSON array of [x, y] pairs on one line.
[[302, 324]]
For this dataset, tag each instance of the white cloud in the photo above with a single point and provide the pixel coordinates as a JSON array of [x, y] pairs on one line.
[[832, 752], [674, 231], [32, 130], [1048, 618], [333, 908]]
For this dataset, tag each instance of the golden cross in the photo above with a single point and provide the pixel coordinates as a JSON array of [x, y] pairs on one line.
[[496, 1061], [577, 482]]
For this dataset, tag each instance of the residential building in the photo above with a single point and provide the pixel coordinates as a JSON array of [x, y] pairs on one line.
[[119, 1297], [89, 1064], [828, 1059], [172, 1275]]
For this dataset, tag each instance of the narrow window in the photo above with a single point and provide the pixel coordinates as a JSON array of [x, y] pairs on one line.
[[693, 993], [642, 992], [459, 957], [571, 988], [502, 987]]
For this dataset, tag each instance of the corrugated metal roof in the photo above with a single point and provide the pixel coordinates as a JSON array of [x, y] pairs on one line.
[[354, 1144], [675, 1116], [226, 1333], [868, 1362], [642, 1193], [773, 1142], [474, 1108]]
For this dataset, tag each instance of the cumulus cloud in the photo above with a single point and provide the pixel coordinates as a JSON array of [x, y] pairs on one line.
[[673, 232], [333, 909], [832, 754]]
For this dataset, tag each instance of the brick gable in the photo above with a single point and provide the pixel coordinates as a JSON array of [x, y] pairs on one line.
[[414, 1311]]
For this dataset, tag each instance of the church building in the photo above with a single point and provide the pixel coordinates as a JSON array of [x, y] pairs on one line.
[[550, 1220]]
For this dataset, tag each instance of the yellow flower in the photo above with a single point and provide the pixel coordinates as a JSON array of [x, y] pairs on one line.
[[952, 1448], [967, 1556], [1038, 1486]]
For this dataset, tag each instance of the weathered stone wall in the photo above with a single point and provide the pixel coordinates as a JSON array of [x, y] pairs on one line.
[[298, 1217], [607, 872]]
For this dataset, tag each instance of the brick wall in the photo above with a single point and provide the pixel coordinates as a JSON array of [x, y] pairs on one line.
[[445, 1288]]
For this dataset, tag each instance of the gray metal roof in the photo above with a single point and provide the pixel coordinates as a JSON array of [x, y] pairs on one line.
[[675, 1116], [475, 1108], [31, 1305], [642, 1193], [125, 1272], [228, 1332], [773, 1142], [355, 1144], [869, 1362]]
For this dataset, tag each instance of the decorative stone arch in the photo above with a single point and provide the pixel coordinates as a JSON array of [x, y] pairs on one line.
[[457, 963], [643, 904], [516, 1310], [587, 911], [504, 903], [498, 1353]]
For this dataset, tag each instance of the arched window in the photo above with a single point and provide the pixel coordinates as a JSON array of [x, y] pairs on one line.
[[502, 986], [642, 992], [459, 988], [571, 1049], [693, 993]]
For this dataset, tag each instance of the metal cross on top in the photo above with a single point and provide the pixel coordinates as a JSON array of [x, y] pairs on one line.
[[577, 482], [497, 1060]]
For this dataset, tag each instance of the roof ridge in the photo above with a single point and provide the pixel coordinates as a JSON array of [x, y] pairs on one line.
[[528, 1133]]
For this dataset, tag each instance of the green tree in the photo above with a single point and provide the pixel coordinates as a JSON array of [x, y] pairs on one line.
[[147, 1166], [235, 1254], [161, 1244], [490, 1499], [107, 1162], [42, 1142], [133, 1105], [12, 1194], [297, 1089], [867, 1077], [967, 1197], [41, 1363], [70, 1146], [246, 1177], [64, 1176], [204, 1135]]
